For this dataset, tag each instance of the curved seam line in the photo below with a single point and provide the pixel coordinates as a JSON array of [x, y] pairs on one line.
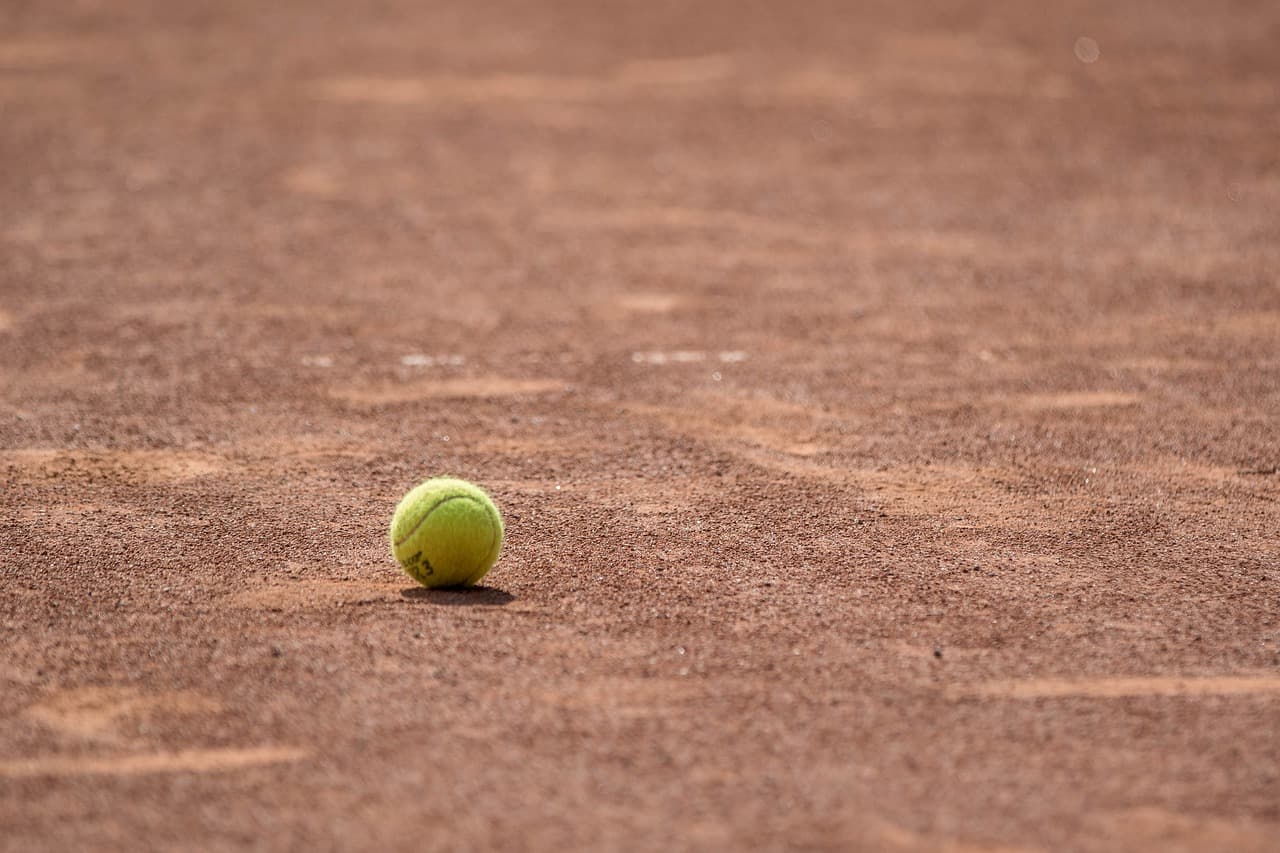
[[427, 514], [496, 523]]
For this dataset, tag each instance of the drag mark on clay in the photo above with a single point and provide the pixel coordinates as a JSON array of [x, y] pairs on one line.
[[627, 80], [1078, 400], [97, 713], [626, 698], [43, 52], [1155, 828], [315, 181], [743, 427], [893, 837], [680, 70], [1114, 688], [793, 439], [776, 231], [133, 466], [293, 591], [406, 91], [685, 219], [640, 303], [139, 764]]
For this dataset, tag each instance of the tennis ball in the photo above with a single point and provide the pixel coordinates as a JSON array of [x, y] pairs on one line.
[[446, 532]]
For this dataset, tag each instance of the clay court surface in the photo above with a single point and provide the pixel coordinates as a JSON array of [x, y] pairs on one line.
[[883, 399]]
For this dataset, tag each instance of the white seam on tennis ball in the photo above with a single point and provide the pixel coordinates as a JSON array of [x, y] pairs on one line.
[[427, 514], [495, 525]]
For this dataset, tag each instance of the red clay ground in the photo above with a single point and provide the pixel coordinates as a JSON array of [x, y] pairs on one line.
[[884, 403]]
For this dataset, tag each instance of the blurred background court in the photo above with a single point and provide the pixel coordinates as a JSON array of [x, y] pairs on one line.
[[884, 400]]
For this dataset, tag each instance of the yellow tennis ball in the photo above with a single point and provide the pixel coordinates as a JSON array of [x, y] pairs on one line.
[[446, 532]]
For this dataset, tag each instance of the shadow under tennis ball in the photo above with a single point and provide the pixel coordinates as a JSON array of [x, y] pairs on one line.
[[460, 597]]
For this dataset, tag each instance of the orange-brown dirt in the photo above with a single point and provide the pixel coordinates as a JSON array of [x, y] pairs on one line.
[[884, 400]]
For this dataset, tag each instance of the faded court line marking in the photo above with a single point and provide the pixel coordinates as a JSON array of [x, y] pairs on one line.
[[188, 760], [1114, 688], [478, 388]]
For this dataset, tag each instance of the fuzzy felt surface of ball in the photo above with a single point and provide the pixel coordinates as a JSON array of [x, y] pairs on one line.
[[446, 533]]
